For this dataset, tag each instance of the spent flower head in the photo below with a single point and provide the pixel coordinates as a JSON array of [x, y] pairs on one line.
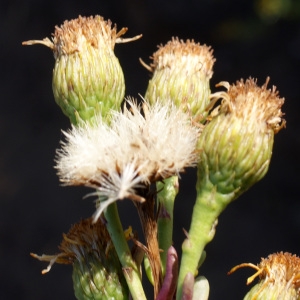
[[97, 272], [181, 72], [87, 76], [236, 146], [235, 150], [137, 148], [279, 277]]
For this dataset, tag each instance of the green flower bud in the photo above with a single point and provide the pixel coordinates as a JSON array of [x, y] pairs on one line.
[[87, 76], [181, 72], [236, 146], [97, 272], [279, 278]]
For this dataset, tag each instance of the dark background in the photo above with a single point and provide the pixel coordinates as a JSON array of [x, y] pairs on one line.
[[249, 39]]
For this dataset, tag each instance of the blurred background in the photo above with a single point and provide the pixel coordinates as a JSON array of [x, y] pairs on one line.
[[250, 38]]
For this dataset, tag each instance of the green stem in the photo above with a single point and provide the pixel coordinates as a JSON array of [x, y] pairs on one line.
[[209, 204], [130, 269], [166, 197]]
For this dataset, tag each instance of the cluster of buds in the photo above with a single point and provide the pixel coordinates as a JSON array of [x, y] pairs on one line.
[[138, 151]]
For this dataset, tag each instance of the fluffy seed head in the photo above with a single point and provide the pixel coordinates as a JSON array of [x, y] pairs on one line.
[[137, 148]]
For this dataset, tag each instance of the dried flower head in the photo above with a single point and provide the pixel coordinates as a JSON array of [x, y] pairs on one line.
[[97, 272], [279, 277], [236, 146], [87, 76], [181, 72], [137, 148], [257, 104]]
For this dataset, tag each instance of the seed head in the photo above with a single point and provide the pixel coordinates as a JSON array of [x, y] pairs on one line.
[[141, 145]]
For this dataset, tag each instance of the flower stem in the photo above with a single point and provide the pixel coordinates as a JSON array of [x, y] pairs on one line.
[[209, 204], [166, 197], [130, 269]]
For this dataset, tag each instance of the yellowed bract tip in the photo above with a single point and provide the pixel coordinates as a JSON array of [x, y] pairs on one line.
[[72, 34], [46, 42], [147, 67]]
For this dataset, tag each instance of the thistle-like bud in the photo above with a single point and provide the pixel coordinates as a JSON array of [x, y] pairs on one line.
[[181, 73], [235, 151], [279, 278], [87, 76], [97, 272], [236, 146]]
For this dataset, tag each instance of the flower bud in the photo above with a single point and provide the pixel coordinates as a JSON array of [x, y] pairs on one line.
[[235, 151], [236, 146], [279, 278], [97, 272], [87, 76], [181, 73]]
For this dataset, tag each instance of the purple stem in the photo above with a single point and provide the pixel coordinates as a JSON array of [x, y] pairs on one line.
[[168, 288]]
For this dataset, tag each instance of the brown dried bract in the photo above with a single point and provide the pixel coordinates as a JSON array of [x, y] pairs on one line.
[[279, 268], [83, 238], [170, 54], [72, 35], [246, 99]]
